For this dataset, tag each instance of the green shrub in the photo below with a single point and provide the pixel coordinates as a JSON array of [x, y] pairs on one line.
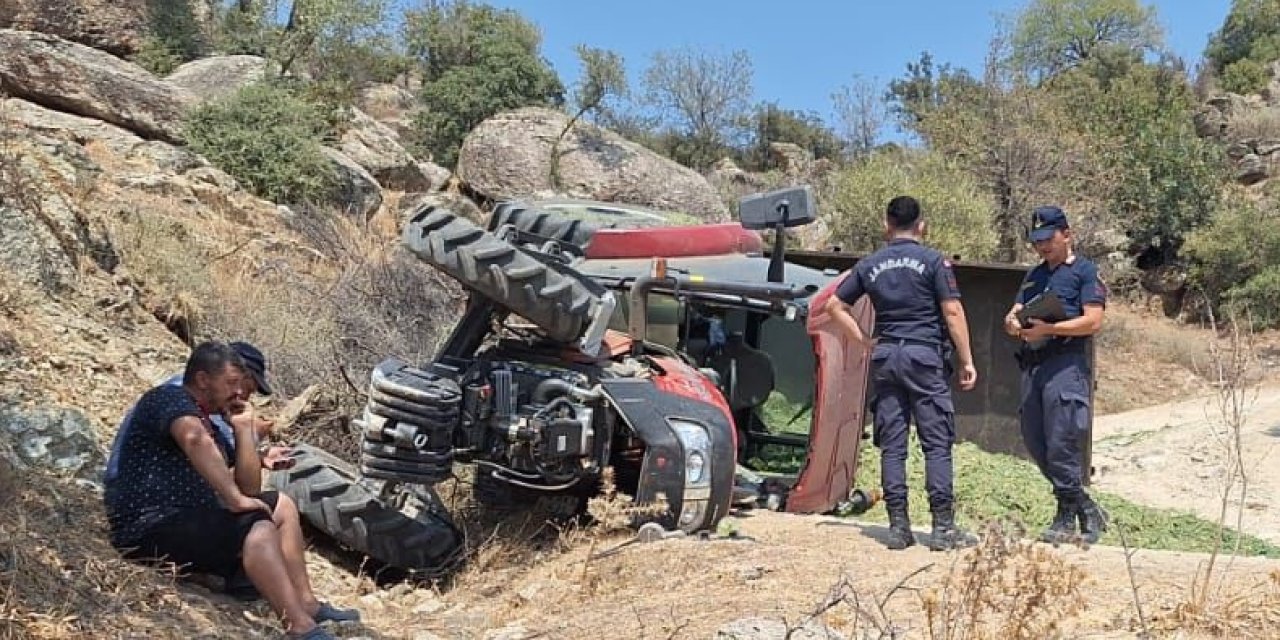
[[1244, 76], [156, 56], [269, 139], [957, 210], [1257, 300]]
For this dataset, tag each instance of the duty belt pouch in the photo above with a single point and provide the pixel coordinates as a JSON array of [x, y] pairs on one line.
[[948, 359]]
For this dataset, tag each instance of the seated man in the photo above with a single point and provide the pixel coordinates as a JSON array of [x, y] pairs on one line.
[[255, 381], [174, 497]]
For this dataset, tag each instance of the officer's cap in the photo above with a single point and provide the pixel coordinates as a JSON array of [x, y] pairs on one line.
[[1045, 220]]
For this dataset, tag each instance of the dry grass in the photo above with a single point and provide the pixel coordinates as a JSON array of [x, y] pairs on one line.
[[54, 585], [1257, 124], [1007, 588], [1250, 610]]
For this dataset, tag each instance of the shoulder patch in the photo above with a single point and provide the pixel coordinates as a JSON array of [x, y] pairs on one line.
[[1027, 285]]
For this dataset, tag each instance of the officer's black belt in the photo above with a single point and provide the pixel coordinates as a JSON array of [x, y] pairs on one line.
[[904, 342], [1028, 358]]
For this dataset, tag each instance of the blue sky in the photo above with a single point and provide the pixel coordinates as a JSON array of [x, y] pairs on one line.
[[803, 50]]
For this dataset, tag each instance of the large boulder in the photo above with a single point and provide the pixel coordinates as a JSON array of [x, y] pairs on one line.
[[355, 191], [217, 76], [376, 147], [114, 26], [33, 117], [72, 77], [509, 156]]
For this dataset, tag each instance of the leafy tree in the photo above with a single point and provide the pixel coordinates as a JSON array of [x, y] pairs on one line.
[[861, 113], [174, 36], [924, 89], [1052, 36], [771, 123], [476, 61], [338, 44], [603, 74], [268, 138], [704, 98], [957, 209], [1248, 41], [1161, 180]]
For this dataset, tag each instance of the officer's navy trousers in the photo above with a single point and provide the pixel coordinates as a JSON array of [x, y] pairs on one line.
[[909, 380], [1055, 414]]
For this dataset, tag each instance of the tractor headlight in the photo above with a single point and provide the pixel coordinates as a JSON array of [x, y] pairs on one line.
[[697, 444]]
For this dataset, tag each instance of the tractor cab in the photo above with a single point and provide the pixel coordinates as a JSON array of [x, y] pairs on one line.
[[756, 327]]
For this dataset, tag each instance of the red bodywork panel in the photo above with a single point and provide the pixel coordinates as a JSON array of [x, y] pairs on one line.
[[674, 242], [684, 380], [838, 408]]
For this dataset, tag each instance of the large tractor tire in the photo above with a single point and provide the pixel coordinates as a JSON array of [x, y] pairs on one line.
[[571, 228], [559, 304], [332, 500], [544, 223]]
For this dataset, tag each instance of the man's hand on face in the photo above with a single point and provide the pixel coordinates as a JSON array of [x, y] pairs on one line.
[[263, 427], [241, 415]]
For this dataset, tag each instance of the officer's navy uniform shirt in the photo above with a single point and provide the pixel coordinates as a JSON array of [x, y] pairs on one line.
[[906, 282], [1075, 282]]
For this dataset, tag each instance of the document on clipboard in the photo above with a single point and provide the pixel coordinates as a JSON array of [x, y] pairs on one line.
[[1046, 306]]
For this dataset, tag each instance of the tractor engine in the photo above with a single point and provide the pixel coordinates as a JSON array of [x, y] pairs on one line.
[[529, 425]]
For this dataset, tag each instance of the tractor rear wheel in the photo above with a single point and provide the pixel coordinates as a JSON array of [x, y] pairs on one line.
[[333, 500], [559, 304]]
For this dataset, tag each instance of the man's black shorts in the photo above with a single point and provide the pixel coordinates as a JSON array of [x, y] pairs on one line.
[[202, 540]]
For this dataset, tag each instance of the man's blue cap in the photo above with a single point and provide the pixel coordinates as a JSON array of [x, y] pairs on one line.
[[1044, 221], [255, 362]]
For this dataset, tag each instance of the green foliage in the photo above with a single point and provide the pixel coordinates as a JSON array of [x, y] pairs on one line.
[[174, 36], [1248, 41], [860, 111], [957, 210], [1051, 36], [924, 89], [477, 61], [990, 486], [155, 56], [268, 138], [1233, 260], [771, 123], [703, 98], [604, 74], [1163, 178], [334, 42]]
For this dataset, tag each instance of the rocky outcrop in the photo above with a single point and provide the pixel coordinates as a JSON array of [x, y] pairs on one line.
[[82, 130], [767, 629], [390, 105], [509, 156], [355, 191], [46, 234], [58, 439], [376, 147], [114, 26], [218, 76], [77, 79]]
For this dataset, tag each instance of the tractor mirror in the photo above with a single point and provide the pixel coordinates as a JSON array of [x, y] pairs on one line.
[[790, 207]]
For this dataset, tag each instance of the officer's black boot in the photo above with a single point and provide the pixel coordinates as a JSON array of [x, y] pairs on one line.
[[946, 535], [900, 535], [1093, 520], [1063, 527]]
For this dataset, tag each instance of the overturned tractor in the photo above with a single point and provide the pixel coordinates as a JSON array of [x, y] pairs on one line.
[[691, 361]]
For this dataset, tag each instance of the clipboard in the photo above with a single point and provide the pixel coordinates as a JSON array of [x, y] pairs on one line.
[[1046, 306]]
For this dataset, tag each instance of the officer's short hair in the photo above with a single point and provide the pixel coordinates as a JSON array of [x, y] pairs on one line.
[[211, 358], [903, 212]]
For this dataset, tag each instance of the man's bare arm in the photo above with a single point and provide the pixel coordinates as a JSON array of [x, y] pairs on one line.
[[203, 452], [839, 312], [958, 327], [248, 468]]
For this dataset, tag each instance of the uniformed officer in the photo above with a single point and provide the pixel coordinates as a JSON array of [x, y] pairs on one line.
[[918, 317], [1054, 359]]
